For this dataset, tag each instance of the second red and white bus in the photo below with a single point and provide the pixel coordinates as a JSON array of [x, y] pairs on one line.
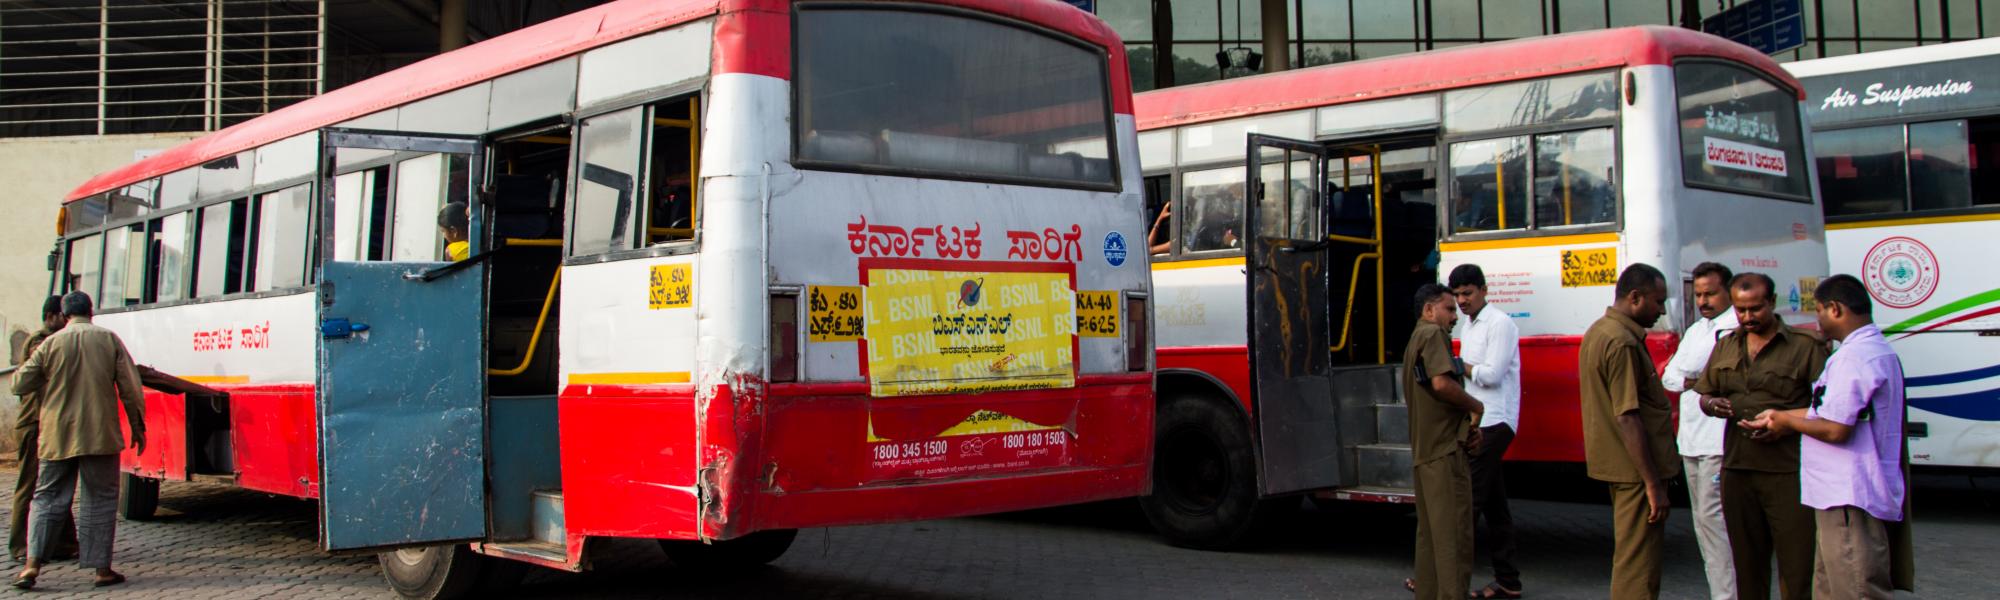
[[1307, 206]]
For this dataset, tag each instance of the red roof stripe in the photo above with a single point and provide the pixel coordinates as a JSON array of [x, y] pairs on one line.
[[746, 30], [1463, 66]]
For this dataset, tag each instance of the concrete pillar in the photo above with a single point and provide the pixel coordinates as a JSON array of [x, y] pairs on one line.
[[1276, 55], [451, 26]]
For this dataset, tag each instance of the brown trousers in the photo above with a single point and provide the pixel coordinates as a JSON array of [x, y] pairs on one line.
[[24, 494], [1853, 559], [1444, 528], [1635, 554], [1764, 518]]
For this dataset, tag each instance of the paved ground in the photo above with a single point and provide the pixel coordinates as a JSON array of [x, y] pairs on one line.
[[213, 542]]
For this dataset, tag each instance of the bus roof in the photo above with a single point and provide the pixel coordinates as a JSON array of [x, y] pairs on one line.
[[1436, 70], [1894, 58], [745, 24]]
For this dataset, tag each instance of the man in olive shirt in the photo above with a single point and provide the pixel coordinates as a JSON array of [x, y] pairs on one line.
[[1443, 421], [1764, 365], [28, 426], [1628, 437], [84, 375]]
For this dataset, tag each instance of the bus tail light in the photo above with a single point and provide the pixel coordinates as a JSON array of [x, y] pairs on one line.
[[1138, 334], [784, 338]]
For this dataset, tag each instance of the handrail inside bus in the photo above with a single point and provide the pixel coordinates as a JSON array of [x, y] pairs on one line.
[[1354, 285], [535, 338]]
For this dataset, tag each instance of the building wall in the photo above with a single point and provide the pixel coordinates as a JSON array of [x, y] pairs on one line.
[[1328, 31], [36, 173]]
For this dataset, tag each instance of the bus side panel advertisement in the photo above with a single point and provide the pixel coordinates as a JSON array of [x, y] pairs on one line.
[[967, 332]]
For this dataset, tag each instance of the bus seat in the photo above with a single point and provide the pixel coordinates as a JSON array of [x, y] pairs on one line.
[[1054, 166], [841, 146], [947, 153], [525, 206], [1096, 169]]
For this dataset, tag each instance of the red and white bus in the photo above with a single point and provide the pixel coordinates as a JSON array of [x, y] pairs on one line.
[[735, 267], [1551, 162]]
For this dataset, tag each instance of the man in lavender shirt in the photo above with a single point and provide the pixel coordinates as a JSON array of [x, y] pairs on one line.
[[1851, 447]]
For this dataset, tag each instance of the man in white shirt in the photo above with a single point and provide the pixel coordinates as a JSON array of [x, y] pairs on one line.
[[1700, 437], [1491, 348]]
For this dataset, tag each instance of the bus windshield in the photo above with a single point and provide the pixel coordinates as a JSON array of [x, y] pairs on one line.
[[936, 94], [1739, 132]]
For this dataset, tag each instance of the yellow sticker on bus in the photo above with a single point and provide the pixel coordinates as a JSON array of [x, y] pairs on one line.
[[1097, 313], [833, 313], [957, 332], [1589, 267], [672, 287]]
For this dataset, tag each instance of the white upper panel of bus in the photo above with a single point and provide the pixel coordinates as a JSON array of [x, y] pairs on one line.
[[1894, 58]]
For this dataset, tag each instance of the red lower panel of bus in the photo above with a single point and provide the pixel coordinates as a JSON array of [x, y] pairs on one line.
[[265, 436], [809, 455], [1551, 426]]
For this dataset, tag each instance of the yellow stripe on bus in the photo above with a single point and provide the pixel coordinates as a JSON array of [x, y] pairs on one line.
[[208, 379], [1196, 264], [1530, 242], [1913, 221], [655, 378]]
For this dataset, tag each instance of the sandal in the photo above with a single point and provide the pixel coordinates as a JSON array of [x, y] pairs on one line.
[[25, 581], [1411, 585], [113, 579], [1494, 590]]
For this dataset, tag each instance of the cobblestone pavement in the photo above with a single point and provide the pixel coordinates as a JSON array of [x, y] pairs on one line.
[[215, 542]]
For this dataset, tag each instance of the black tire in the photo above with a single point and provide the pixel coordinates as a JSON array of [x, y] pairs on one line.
[[1204, 475], [433, 572], [749, 551], [138, 497]]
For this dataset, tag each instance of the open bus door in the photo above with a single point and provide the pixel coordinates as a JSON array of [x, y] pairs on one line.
[[402, 373], [1287, 252]]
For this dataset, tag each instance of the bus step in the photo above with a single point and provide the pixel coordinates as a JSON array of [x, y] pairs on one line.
[[1392, 423], [539, 551], [1384, 465], [547, 513], [1369, 493]]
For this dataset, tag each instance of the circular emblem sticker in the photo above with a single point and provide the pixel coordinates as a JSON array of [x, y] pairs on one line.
[[1114, 248], [1900, 272]]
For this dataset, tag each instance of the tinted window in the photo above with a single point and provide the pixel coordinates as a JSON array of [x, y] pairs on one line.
[[1940, 166], [1489, 185], [949, 95], [1861, 170], [1539, 102], [1739, 132]]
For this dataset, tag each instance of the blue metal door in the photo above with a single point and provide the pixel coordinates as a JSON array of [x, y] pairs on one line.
[[402, 382]]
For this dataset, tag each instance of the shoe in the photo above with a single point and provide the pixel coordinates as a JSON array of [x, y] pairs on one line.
[[114, 579]]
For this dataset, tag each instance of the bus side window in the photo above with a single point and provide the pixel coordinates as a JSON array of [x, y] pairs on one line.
[[170, 258], [360, 223], [219, 253], [1489, 185], [1861, 170], [608, 152], [672, 205], [124, 266], [1985, 161], [1574, 182], [281, 238], [1159, 214], [1213, 205], [86, 256]]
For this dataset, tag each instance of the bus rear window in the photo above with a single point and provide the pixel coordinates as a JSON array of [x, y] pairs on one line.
[[1739, 132], [935, 94]]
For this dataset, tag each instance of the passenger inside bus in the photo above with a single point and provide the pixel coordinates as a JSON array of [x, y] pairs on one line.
[[453, 223], [1160, 239], [1219, 215]]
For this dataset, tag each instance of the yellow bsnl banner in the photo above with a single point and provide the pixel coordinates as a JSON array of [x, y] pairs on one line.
[[957, 332]]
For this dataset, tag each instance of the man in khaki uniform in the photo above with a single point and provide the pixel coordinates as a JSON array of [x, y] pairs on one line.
[[1764, 365], [28, 427], [1628, 437], [83, 374], [1443, 422]]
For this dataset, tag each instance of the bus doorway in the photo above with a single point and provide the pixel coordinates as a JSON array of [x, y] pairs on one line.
[[1381, 203]]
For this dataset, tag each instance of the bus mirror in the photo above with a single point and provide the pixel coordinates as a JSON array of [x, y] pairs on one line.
[[54, 260]]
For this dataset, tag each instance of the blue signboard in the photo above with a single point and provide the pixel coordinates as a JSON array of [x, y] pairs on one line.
[[1770, 26], [1089, 6]]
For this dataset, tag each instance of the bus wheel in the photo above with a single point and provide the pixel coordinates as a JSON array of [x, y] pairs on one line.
[[138, 497], [1204, 475], [433, 572], [748, 551]]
